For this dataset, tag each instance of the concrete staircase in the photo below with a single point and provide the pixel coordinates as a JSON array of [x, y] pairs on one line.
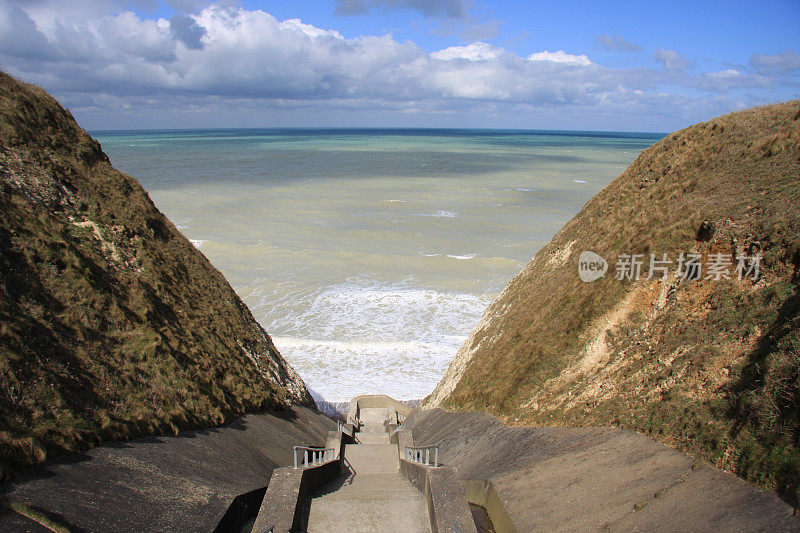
[[370, 495]]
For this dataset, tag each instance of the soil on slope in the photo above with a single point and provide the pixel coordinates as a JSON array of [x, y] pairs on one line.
[[112, 324], [709, 366]]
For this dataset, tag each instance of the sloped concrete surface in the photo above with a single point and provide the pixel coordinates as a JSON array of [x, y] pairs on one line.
[[370, 495], [182, 483], [581, 479]]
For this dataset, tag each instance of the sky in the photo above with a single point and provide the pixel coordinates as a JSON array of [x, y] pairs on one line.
[[569, 65]]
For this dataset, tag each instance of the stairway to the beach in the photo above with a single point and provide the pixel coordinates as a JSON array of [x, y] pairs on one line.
[[370, 495]]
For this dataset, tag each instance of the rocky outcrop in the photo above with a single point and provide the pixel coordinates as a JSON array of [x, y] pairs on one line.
[[111, 323], [706, 361]]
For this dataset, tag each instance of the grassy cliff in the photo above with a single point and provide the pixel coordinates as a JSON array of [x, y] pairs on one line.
[[112, 324], [711, 367]]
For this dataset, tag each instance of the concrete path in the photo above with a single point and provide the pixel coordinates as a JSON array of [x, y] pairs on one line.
[[370, 495]]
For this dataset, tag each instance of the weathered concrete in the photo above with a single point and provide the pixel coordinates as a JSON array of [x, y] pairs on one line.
[[372, 429], [379, 401], [483, 494], [403, 439], [370, 495], [578, 479], [182, 483], [444, 497], [282, 506], [279, 509]]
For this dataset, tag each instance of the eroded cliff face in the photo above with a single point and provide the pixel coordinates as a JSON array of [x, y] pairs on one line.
[[709, 365], [111, 323]]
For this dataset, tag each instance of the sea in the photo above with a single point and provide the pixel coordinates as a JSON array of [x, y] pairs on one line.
[[369, 255]]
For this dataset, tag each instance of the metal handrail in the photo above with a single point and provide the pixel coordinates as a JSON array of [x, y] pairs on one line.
[[313, 455], [422, 454]]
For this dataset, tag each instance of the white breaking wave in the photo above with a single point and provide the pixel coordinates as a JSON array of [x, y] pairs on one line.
[[368, 336], [440, 214], [198, 243], [579, 181], [467, 256], [293, 342], [336, 371]]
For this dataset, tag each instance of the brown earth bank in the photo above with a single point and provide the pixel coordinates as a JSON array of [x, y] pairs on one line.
[[112, 325], [708, 366]]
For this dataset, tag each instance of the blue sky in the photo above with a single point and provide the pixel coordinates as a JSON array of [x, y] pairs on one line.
[[391, 63]]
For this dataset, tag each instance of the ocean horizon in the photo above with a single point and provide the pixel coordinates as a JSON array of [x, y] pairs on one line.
[[369, 254]]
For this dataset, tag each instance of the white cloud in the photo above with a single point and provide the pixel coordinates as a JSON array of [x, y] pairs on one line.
[[560, 57], [477, 31], [223, 56], [187, 31], [615, 43], [724, 81], [477, 51], [250, 54], [441, 8], [672, 59], [308, 29], [785, 62], [725, 74]]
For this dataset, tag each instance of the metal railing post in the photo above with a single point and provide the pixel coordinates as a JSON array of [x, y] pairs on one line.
[[312, 456], [422, 454]]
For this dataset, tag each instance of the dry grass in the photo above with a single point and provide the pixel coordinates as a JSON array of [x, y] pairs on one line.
[[712, 368], [112, 324]]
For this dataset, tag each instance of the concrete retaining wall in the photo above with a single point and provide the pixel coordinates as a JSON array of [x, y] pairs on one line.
[[376, 401], [402, 438], [483, 493], [288, 488], [282, 506], [337, 440], [444, 495]]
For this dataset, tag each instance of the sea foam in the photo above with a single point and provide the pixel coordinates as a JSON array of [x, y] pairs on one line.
[[372, 336]]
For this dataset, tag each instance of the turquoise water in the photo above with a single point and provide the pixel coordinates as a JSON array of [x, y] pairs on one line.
[[370, 255]]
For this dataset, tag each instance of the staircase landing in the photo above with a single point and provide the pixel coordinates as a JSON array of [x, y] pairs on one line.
[[370, 495]]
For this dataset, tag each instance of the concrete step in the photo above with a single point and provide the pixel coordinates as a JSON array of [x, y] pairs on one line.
[[382, 483], [372, 416], [371, 458], [370, 495], [357, 503], [372, 430], [372, 438]]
